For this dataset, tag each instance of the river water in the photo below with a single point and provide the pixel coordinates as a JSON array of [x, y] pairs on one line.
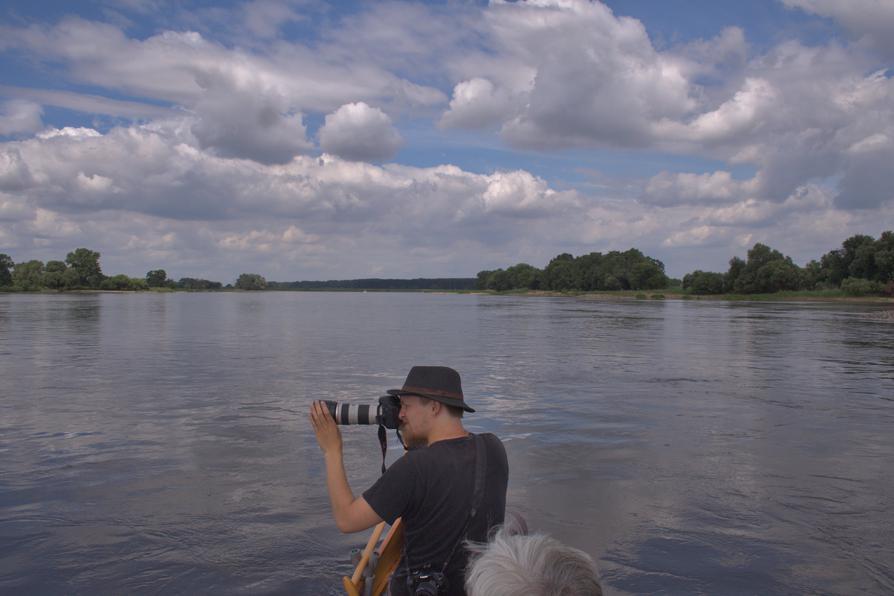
[[159, 443]]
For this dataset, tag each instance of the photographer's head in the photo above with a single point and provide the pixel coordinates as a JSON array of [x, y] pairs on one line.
[[432, 405]]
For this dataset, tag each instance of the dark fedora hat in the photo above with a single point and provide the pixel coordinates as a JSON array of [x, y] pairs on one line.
[[439, 383]]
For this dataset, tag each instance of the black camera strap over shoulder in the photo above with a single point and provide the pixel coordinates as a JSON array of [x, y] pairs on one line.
[[477, 498], [477, 493]]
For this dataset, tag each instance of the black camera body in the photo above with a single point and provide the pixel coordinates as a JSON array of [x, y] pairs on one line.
[[385, 413], [426, 582]]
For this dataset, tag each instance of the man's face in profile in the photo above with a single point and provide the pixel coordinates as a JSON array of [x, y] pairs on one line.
[[415, 420]]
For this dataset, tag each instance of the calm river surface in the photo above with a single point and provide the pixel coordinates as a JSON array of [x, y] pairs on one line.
[[159, 443]]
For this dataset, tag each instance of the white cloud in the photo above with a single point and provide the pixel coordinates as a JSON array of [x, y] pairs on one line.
[[667, 188], [697, 236], [733, 119], [246, 124], [246, 104], [264, 18], [14, 172], [181, 67], [581, 76], [18, 116], [476, 103], [219, 156], [359, 132], [91, 104], [872, 21]]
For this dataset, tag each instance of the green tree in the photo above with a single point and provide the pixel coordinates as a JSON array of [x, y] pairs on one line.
[[589, 271], [28, 276], [811, 275], [123, 282], [736, 267], [251, 281], [157, 278], [86, 263], [499, 281], [766, 270], [6, 267], [560, 274], [777, 276], [703, 282], [482, 279], [855, 286], [53, 276], [190, 283], [648, 274], [884, 257], [70, 279], [523, 275]]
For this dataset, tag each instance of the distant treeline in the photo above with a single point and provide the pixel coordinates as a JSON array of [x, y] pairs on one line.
[[862, 266], [421, 283], [81, 271]]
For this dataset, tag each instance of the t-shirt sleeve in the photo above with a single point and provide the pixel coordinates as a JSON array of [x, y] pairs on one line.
[[393, 491]]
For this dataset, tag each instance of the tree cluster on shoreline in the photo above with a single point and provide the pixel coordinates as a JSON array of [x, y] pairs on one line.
[[81, 271], [629, 270], [862, 266]]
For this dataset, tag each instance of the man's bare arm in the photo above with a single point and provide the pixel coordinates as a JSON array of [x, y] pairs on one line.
[[351, 514]]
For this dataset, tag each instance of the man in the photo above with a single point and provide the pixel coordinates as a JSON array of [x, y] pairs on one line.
[[431, 486]]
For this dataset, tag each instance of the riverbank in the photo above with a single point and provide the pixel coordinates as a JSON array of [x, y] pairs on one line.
[[664, 294], [676, 294]]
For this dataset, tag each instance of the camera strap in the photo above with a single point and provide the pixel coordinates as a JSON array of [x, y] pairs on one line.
[[383, 443]]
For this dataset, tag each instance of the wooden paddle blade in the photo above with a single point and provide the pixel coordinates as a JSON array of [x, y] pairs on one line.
[[389, 557]]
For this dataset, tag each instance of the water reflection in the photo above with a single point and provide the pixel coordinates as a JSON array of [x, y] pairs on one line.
[[158, 442]]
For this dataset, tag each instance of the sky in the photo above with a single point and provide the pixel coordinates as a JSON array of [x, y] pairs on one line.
[[308, 140]]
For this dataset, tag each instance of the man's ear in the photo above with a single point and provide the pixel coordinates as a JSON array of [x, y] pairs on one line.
[[437, 409]]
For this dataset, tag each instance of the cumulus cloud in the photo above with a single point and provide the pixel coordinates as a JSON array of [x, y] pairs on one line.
[[358, 132], [697, 236], [18, 116], [572, 73], [217, 157], [872, 21], [266, 240], [669, 188], [148, 169], [578, 75], [249, 125], [146, 199], [245, 104], [312, 213], [14, 172], [476, 103]]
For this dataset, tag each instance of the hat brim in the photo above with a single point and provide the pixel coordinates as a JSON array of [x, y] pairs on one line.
[[456, 403]]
